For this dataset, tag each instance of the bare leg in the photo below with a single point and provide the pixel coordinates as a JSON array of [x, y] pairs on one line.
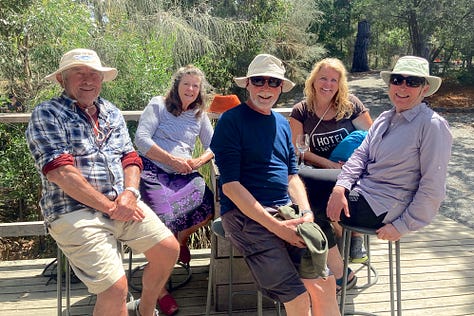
[[336, 264], [112, 301], [183, 235], [300, 306], [161, 260], [323, 296]]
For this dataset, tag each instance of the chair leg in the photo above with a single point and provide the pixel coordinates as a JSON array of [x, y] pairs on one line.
[[231, 278], [259, 304], [59, 285], [209, 288], [346, 246], [59, 280], [398, 274], [390, 269]]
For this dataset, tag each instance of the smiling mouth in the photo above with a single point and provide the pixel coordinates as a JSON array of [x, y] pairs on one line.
[[402, 97]]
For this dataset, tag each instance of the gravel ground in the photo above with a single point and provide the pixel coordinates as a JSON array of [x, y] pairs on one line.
[[459, 202]]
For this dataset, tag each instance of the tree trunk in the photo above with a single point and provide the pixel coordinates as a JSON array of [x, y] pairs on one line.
[[360, 62]]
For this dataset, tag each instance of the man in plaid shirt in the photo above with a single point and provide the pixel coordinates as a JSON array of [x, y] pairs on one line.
[[90, 175]]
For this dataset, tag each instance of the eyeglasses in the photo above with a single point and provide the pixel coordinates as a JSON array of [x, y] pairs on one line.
[[411, 81], [260, 81]]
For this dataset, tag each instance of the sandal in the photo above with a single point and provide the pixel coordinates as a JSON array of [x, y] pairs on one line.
[[168, 305], [350, 282]]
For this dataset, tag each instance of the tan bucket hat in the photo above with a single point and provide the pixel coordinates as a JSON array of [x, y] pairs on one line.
[[82, 57], [267, 66], [413, 66]]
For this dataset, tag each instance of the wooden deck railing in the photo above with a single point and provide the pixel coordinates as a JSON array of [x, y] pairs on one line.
[[36, 228]]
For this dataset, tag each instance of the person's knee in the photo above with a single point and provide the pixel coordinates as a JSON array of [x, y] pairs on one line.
[[117, 291], [166, 251]]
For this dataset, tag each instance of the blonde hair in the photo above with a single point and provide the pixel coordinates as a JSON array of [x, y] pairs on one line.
[[340, 101]]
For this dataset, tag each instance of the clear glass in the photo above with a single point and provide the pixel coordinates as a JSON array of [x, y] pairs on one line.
[[302, 145]]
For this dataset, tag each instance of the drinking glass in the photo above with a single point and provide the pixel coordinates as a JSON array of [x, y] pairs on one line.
[[302, 144]]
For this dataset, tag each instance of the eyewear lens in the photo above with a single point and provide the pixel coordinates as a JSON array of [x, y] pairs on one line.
[[260, 81], [411, 81]]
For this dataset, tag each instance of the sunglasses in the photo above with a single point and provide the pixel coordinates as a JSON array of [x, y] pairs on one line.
[[260, 81], [411, 81]]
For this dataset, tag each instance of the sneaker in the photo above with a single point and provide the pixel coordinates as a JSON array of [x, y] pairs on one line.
[[132, 308], [358, 254]]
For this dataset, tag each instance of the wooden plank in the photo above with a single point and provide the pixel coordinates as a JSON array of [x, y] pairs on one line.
[[18, 229]]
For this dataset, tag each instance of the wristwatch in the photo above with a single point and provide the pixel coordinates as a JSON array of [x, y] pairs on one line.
[[306, 212], [135, 192]]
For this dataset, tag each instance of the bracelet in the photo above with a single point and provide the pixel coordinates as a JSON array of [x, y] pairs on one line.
[[304, 212], [135, 192]]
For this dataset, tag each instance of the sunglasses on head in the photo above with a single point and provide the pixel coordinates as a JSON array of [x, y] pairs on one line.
[[260, 81], [411, 81]]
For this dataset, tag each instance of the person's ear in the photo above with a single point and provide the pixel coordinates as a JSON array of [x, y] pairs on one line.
[[59, 78], [426, 87]]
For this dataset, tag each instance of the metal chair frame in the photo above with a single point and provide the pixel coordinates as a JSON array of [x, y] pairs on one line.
[[347, 230]]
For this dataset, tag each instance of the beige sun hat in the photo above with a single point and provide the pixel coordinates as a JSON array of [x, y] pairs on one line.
[[82, 57], [268, 66], [413, 66]]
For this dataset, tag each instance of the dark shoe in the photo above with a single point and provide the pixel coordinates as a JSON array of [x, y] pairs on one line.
[[168, 305], [358, 254], [351, 282]]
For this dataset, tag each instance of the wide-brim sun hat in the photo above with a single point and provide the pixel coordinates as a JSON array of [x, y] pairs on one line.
[[82, 57], [266, 65], [413, 66]]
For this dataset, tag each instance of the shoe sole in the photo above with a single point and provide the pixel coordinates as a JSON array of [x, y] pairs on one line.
[[359, 260]]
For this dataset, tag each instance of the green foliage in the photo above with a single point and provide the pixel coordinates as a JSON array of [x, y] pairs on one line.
[[19, 183], [144, 70], [33, 40]]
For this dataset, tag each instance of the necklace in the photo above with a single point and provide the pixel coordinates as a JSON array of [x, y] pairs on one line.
[[321, 118], [100, 136]]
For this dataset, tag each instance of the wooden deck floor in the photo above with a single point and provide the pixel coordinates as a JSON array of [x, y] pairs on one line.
[[437, 279]]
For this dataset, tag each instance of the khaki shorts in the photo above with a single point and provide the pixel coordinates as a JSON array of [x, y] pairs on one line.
[[91, 243]]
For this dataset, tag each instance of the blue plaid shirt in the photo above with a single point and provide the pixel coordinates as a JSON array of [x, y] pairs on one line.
[[59, 127]]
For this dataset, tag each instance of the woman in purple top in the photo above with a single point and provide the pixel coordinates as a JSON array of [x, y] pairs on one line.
[[397, 177], [170, 182]]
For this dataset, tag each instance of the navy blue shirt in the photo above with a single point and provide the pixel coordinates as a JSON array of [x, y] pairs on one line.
[[255, 150]]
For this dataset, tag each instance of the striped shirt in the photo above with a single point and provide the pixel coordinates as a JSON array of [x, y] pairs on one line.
[[175, 134]]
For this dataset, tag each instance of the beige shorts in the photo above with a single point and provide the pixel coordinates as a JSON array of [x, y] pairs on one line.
[[91, 243]]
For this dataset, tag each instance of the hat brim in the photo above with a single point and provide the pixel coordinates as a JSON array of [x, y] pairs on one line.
[[287, 84], [433, 81], [109, 73]]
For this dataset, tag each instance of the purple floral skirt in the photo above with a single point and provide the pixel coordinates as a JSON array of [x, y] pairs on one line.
[[180, 201]]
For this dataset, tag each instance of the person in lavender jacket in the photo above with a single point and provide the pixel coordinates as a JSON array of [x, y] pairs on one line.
[[170, 183], [396, 180]]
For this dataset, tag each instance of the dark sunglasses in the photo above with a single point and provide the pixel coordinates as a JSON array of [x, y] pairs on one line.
[[260, 81], [411, 81]]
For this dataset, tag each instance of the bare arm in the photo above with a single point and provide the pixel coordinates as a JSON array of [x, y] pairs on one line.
[[180, 165], [362, 122], [309, 157], [71, 181], [196, 163], [298, 195]]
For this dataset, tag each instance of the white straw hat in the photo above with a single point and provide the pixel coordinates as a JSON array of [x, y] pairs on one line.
[[82, 57], [267, 66], [413, 66]]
